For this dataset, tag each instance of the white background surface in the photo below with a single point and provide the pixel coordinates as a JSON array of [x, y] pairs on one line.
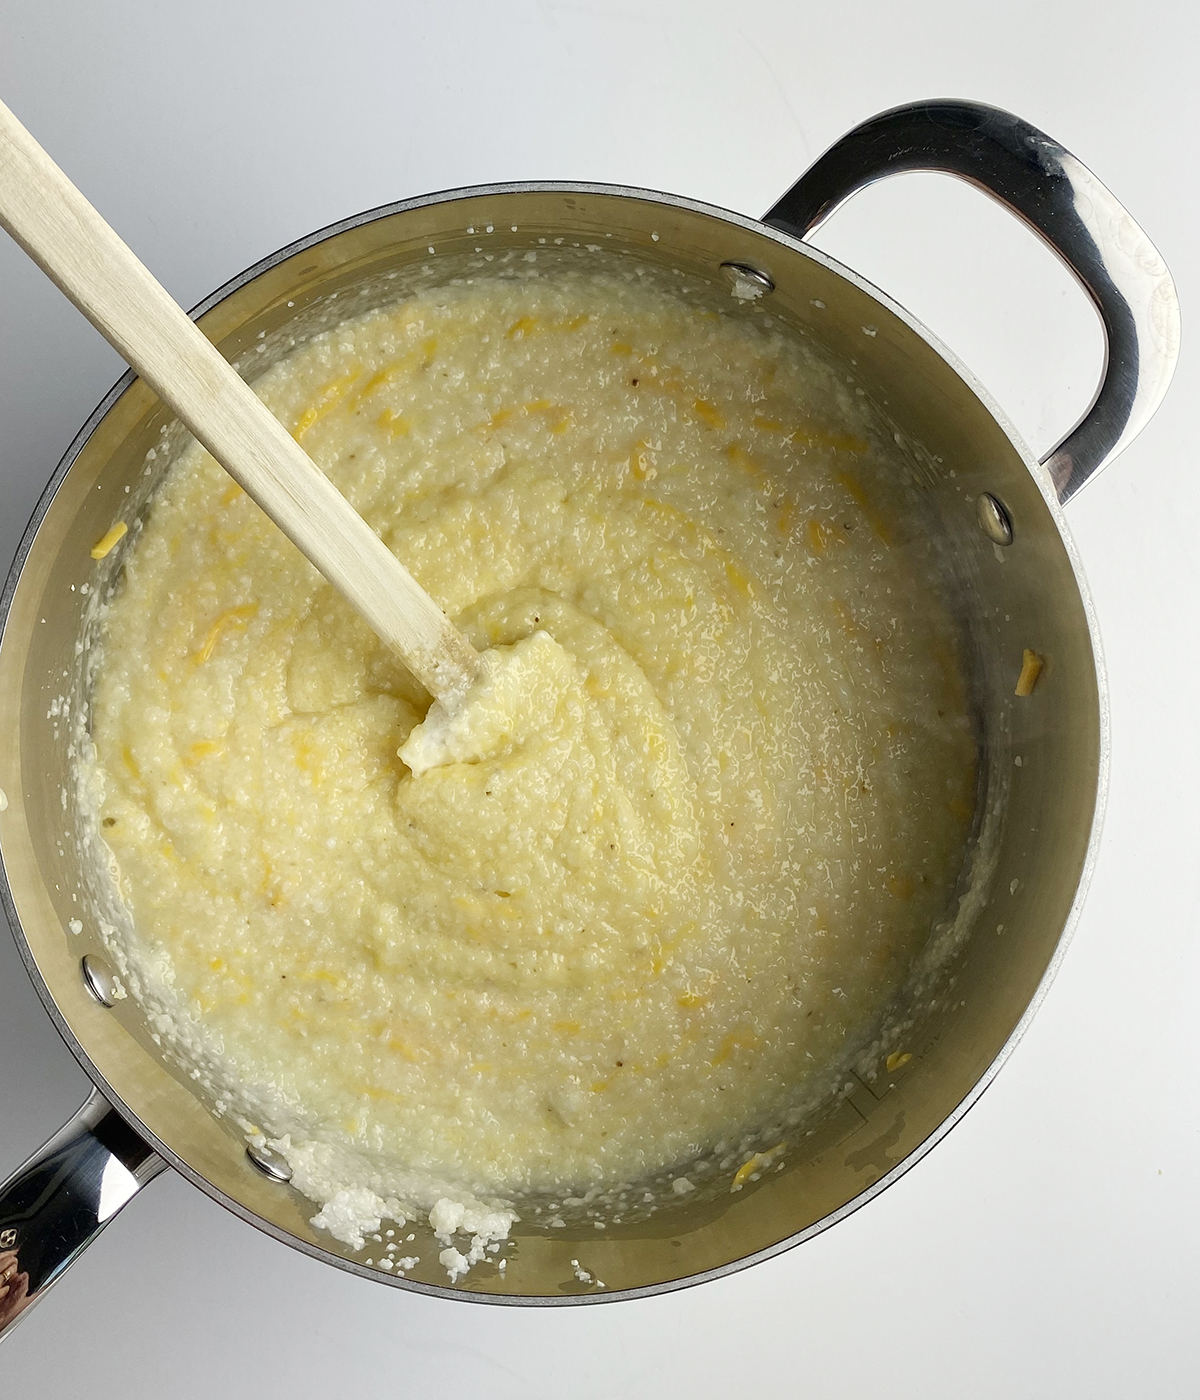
[[1049, 1246]]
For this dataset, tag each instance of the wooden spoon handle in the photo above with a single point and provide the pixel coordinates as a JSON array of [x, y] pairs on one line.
[[73, 245]]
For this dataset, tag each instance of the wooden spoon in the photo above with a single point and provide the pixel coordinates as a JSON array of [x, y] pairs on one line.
[[73, 245]]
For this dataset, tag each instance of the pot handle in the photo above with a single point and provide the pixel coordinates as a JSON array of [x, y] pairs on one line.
[[55, 1205], [1071, 211]]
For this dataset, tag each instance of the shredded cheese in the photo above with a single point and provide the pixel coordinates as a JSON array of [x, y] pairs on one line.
[[1031, 669], [757, 1162], [105, 545]]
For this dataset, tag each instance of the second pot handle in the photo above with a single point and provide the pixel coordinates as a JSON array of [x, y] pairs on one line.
[[54, 1205], [1063, 202]]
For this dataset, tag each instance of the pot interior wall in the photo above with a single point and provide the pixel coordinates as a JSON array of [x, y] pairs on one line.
[[1041, 755]]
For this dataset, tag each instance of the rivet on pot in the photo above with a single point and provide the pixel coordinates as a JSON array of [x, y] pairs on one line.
[[269, 1162], [99, 979], [753, 282], [994, 519]]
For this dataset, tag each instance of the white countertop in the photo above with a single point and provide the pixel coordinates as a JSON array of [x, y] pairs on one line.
[[1049, 1246]]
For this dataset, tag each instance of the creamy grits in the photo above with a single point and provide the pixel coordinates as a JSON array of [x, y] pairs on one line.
[[682, 841]]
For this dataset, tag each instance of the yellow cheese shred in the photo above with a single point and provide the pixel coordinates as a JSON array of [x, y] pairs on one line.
[[105, 545], [234, 617], [1031, 669], [756, 1162]]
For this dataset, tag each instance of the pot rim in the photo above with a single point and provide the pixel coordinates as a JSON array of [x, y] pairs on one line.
[[1044, 484]]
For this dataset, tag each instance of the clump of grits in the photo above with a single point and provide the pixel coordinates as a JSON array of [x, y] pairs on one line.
[[684, 838]]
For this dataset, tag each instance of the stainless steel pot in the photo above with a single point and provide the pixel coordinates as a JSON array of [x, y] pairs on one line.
[[1019, 585]]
